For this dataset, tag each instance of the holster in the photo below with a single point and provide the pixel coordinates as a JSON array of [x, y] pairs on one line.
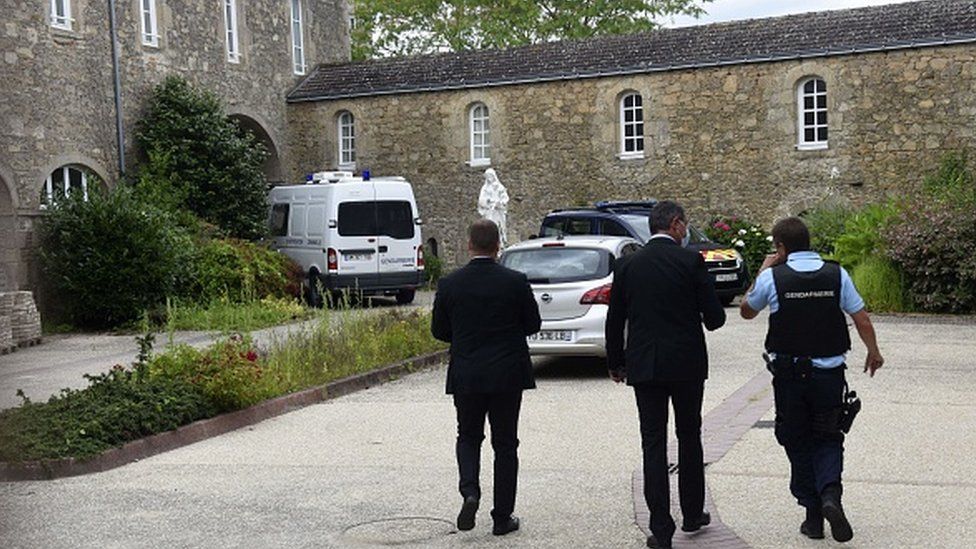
[[848, 410]]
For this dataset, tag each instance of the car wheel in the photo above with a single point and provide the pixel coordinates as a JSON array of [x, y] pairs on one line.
[[405, 296], [726, 300], [312, 291]]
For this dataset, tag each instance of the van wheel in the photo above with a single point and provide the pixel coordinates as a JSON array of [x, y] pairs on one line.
[[405, 296], [313, 297]]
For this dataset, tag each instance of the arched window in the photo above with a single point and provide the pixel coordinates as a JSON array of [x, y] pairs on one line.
[[480, 135], [812, 114], [347, 140], [66, 180], [631, 126]]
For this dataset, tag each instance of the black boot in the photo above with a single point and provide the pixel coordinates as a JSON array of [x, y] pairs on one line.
[[813, 525], [840, 528]]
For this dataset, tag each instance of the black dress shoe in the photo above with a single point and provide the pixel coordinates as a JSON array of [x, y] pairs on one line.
[[812, 529], [832, 510], [465, 519], [705, 520], [655, 543], [506, 526]]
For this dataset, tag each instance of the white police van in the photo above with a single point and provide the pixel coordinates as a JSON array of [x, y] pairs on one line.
[[359, 234]]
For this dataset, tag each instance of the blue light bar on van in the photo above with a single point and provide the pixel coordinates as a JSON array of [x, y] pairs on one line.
[[365, 175], [309, 177]]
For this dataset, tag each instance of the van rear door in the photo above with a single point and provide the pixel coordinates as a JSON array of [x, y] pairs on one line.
[[355, 234]]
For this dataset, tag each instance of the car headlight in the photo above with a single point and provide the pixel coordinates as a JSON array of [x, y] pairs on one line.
[[738, 259]]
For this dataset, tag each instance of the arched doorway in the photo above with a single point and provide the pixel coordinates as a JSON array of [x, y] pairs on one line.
[[9, 251], [272, 164]]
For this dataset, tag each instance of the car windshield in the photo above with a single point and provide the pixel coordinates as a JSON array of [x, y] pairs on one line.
[[640, 224], [555, 264]]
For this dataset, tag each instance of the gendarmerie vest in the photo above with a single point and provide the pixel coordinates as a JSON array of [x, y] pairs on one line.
[[809, 321]]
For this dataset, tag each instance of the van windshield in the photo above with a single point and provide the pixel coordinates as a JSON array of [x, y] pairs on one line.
[[393, 218]]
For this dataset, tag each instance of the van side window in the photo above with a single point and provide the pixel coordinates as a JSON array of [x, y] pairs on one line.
[[575, 225], [612, 228], [279, 220]]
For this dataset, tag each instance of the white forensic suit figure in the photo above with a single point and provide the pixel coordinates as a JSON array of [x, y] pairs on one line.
[[493, 203]]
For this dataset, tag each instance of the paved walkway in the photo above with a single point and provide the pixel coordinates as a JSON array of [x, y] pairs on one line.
[[376, 468]]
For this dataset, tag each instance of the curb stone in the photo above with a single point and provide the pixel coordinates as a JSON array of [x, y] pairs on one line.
[[185, 435]]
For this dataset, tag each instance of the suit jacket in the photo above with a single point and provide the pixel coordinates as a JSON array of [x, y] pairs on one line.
[[662, 294], [485, 311]]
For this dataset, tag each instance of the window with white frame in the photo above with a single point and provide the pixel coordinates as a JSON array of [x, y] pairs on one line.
[[61, 14], [150, 30], [480, 135], [812, 114], [230, 25], [297, 39], [632, 126], [63, 182], [347, 140]]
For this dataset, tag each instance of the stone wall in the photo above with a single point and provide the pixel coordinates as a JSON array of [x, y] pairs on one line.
[[719, 140], [57, 91]]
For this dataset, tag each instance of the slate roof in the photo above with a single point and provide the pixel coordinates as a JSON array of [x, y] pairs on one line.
[[808, 35]]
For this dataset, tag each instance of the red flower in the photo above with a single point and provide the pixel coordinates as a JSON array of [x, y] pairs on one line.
[[251, 356]]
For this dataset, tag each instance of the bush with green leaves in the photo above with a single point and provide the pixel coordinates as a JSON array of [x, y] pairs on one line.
[[117, 407], [826, 223], [203, 161], [751, 240], [862, 236], [112, 256], [239, 270], [880, 284]]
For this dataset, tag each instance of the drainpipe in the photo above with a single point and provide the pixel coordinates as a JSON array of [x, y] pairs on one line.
[[120, 132]]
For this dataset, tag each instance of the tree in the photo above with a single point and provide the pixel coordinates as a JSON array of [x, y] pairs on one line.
[[202, 161], [407, 27]]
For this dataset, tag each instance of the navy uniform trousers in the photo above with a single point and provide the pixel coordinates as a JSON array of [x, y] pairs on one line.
[[806, 413]]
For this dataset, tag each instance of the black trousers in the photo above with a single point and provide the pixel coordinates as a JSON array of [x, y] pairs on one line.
[[502, 410], [815, 451], [652, 407]]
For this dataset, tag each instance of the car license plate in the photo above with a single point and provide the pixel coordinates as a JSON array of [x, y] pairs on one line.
[[552, 335], [356, 257], [726, 277]]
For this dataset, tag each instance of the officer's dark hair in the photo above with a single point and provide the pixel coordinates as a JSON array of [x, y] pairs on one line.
[[792, 233], [663, 213], [483, 236]]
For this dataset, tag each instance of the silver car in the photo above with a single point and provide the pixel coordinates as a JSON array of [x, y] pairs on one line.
[[571, 278]]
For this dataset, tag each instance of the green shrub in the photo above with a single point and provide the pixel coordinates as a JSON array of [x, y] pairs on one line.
[[749, 239], [241, 271], [116, 407], [879, 282], [934, 244], [228, 373], [204, 161], [953, 181], [862, 238], [433, 267], [826, 223], [112, 257]]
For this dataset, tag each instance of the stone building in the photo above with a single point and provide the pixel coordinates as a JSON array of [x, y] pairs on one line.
[[58, 122], [760, 117]]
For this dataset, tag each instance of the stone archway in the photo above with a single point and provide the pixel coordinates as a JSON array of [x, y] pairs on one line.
[[9, 250], [272, 164]]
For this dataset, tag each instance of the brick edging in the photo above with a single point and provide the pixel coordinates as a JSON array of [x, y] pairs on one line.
[[185, 435]]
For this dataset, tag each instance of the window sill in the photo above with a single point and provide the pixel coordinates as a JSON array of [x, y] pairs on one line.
[[811, 146], [479, 163], [346, 167], [630, 156]]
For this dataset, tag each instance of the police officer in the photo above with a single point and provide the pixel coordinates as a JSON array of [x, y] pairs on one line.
[[806, 344]]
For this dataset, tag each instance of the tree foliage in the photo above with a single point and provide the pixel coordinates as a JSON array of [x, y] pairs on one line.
[[202, 161], [407, 27]]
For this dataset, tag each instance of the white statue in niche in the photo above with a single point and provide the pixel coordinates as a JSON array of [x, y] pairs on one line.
[[493, 203]]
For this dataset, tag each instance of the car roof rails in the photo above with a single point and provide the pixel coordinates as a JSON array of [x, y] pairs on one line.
[[611, 204]]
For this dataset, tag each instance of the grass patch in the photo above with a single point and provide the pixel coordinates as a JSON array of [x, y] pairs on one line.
[[162, 392], [226, 315], [880, 284]]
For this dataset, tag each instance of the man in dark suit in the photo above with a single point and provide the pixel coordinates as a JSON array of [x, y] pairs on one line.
[[662, 295], [485, 311]]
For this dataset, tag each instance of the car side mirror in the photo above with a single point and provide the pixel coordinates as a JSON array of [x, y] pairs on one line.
[[418, 221]]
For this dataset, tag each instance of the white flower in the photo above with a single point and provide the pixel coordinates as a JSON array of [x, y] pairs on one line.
[[739, 243], [742, 232], [769, 238]]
